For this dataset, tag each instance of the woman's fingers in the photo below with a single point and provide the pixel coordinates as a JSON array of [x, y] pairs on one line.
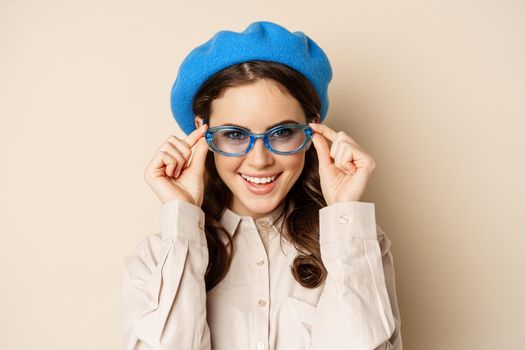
[[324, 130], [170, 158], [332, 135], [180, 147], [323, 151], [199, 157], [169, 161], [162, 163], [338, 158], [343, 150], [177, 152], [173, 157], [344, 156], [176, 160], [195, 135], [333, 148]]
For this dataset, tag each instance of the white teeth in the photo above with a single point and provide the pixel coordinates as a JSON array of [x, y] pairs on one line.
[[259, 180]]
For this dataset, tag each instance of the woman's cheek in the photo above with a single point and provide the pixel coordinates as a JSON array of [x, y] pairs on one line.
[[226, 164], [294, 166]]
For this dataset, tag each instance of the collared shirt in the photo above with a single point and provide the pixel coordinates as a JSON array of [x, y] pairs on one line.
[[259, 305]]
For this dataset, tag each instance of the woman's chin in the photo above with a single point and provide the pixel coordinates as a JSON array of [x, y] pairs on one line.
[[259, 206]]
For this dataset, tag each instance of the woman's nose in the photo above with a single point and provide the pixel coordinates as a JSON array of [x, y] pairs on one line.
[[260, 156]]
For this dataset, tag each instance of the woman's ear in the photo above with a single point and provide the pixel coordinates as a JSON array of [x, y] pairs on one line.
[[198, 122]]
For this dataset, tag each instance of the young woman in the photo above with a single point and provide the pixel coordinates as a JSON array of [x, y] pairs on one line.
[[265, 243]]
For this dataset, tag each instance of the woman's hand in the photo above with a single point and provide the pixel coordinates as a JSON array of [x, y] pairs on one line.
[[344, 168], [172, 175]]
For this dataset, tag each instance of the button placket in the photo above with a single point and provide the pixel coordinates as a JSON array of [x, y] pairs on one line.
[[253, 236]]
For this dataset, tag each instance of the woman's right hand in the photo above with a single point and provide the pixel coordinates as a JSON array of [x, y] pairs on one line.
[[172, 175]]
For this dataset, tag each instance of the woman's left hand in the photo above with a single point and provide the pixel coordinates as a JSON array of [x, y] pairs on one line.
[[344, 168]]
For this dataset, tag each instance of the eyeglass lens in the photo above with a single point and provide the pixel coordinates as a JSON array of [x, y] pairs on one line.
[[237, 141]]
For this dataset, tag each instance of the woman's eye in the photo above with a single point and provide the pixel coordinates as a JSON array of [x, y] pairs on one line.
[[234, 135], [284, 132]]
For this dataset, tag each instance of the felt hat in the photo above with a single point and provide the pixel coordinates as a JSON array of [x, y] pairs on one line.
[[261, 40]]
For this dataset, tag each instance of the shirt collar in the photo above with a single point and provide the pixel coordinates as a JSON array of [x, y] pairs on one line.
[[230, 220]]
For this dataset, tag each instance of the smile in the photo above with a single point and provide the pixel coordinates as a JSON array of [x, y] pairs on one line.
[[259, 180], [260, 185]]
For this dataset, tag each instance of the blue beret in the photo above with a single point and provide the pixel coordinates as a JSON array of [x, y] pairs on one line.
[[262, 40]]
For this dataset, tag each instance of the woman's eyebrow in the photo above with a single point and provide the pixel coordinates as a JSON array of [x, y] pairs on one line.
[[288, 121]]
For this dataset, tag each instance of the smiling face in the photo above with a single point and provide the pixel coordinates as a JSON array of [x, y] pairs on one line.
[[257, 107]]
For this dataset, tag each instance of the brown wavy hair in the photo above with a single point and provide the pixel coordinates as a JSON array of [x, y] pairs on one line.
[[304, 198]]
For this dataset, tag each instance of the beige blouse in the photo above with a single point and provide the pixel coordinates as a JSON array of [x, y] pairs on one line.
[[259, 305]]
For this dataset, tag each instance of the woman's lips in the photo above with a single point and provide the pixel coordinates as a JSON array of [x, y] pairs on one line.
[[261, 188]]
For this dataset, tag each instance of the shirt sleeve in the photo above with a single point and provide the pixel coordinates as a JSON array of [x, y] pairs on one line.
[[358, 308], [163, 287]]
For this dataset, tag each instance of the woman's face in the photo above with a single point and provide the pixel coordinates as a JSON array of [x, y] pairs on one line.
[[257, 107]]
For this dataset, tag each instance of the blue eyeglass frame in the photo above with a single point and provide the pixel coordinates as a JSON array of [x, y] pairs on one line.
[[253, 137]]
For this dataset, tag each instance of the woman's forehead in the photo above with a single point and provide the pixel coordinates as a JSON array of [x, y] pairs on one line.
[[256, 121], [256, 106]]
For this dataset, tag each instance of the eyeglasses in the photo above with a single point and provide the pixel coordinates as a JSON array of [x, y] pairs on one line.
[[236, 141]]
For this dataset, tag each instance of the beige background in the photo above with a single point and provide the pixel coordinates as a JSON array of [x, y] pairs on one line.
[[434, 90]]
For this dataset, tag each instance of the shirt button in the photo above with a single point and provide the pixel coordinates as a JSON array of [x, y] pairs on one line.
[[260, 346], [344, 219], [200, 225], [264, 224], [261, 302], [260, 262]]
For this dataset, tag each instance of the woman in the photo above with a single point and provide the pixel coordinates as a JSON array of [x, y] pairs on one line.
[[264, 244]]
